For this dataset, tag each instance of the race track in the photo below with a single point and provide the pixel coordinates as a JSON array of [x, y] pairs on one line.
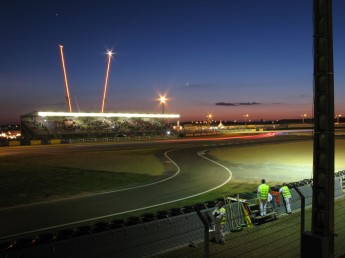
[[195, 174]]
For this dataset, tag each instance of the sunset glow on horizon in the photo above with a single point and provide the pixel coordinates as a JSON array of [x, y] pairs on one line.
[[222, 58]]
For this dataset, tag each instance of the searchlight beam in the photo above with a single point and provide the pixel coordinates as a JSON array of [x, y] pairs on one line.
[[65, 78], [106, 79]]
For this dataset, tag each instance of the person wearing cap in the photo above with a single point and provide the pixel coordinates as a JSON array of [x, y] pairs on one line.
[[285, 191], [262, 194]]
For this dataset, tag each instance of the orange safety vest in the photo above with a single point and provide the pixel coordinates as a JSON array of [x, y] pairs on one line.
[[277, 195]]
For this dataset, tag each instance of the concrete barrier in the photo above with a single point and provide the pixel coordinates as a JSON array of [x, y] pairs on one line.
[[14, 143], [55, 141], [35, 142]]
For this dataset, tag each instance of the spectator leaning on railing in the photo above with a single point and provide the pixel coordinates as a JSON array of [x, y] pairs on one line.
[[285, 191], [262, 195]]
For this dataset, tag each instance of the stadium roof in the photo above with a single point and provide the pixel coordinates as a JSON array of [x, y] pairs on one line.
[[81, 114]]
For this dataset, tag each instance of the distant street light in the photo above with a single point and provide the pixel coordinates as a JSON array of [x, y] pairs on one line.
[[303, 116], [245, 118], [209, 118], [337, 117]]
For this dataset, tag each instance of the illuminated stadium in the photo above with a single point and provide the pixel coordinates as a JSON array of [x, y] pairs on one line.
[[63, 125], [66, 125]]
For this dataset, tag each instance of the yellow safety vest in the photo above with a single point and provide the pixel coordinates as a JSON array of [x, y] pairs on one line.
[[286, 192], [264, 191], [222, 210]]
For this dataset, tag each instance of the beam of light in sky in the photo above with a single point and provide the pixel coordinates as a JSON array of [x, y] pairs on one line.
[[109, 53], [65, 78]]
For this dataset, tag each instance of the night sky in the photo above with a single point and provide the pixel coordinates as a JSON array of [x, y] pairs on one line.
[[228, 58]]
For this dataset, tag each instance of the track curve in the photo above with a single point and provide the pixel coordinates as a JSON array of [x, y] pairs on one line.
[[195, 175]]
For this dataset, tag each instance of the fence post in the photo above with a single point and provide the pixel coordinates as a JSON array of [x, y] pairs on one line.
[[206, 233], [302, 208]]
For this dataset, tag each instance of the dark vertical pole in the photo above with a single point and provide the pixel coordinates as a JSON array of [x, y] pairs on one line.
[[323, 172], [320, 241], [302, 209]]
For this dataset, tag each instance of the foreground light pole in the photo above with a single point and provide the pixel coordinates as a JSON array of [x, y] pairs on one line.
[[319, 242]]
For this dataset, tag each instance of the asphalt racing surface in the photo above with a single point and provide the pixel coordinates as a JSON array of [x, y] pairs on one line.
[[195, 174]]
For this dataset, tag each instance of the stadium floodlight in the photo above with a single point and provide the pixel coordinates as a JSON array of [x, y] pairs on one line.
[[109, 53], [65, 78], [163, 99], [126, 115]]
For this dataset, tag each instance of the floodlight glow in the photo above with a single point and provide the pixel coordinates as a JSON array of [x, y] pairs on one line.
[[163, 99], [127, 115]]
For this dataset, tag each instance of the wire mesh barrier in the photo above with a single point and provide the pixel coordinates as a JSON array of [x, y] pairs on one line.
[[181, 232], [279, 237]]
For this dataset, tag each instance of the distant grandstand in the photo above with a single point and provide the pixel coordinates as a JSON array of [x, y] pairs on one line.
[[63, 125]]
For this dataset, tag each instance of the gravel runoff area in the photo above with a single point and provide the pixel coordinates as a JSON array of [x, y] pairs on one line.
[[279, 162]]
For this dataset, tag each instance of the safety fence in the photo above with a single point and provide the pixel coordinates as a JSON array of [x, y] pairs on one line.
[[181, 232], [272, 237], [122, 138]]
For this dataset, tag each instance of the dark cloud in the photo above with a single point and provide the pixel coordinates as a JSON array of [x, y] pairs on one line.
[[237, 104], [248, 103], [226, 104]]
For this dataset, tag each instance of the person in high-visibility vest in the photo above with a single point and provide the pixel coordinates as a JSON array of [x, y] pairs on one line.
[[285, 191], [262, 195], [219, 215]]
